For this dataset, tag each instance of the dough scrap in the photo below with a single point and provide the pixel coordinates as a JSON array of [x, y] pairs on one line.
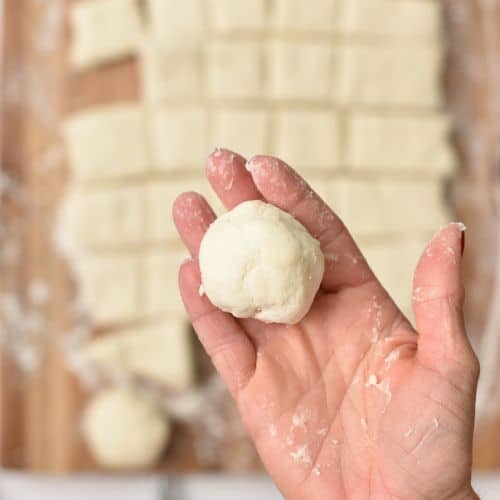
[[111, 287], [108, 142], [161, 353], [257, 261], [168, 72], [124, 429], [104, 31]]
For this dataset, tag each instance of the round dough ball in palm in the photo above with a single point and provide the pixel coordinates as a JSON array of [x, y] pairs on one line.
[[257, 261], [124, 429]]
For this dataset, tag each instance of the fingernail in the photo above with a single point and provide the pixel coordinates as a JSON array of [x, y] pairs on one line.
[[462, 228]]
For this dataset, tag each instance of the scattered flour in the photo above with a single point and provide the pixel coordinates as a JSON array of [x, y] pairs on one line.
[[377, 327], [392, 356], [331, 257], [371, 381], [410, 431], [417, 295], [299, 420], [382, 386], [301, 454]]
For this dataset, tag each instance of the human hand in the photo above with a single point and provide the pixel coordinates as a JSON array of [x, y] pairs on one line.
[[352, 402]]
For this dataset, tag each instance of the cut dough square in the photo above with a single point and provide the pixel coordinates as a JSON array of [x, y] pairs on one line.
[[391, 18], [234, 69], [399, 142], [160, 198], [230, 15], [301, 70], [244, 131], [179, 137], [304, 15], [308, 138], [162, 288], [103, 31], [107, 142], [170, 72], [391, 75], [112, 287], [367, 206], [108, 216], [176, 23], [161, 352]]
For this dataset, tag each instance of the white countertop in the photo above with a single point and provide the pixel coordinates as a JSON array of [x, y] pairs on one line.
[[18, 486]]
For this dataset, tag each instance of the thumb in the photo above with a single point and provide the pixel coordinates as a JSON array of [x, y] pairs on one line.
[[438, 296]]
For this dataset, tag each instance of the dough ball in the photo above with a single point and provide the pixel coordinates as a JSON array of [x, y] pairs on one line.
[[257, 261], [125, 429]]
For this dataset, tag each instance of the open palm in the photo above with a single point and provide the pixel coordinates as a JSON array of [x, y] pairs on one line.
[[351, 402]]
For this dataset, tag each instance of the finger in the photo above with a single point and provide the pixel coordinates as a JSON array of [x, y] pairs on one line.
[[438, 296], [192, 215], [280, 185], [230, 179], [230, 350]]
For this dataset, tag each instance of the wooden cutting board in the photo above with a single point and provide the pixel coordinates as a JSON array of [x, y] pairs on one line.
[[40, 408]]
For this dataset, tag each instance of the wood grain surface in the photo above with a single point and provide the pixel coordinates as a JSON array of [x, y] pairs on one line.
[[41, 408]]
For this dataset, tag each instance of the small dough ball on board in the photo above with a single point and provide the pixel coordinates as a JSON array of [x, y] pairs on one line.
[[124, 429], [257, 261]]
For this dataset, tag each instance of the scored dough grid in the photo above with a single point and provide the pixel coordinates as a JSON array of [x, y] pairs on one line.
[[347, 91]]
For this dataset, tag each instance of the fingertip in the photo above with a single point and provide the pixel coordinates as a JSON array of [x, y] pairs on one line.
[[219, 163], [276, 180], [227, 174], [192, 216], [438, 295], [193, 209], [451, 231], [254, 162], [445, 245], [259, 165], [182, 202], [437, 278]]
